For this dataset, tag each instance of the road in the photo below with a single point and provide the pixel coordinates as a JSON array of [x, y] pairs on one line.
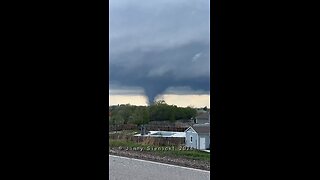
[[123, 168]]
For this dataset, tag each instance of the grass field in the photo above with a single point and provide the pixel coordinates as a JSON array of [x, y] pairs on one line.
[[173, 151]]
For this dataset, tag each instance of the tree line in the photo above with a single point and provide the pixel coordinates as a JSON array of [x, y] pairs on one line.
[[158, 111]]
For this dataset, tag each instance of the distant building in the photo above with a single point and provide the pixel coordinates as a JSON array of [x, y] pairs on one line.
[[198, 136], [202, 118]]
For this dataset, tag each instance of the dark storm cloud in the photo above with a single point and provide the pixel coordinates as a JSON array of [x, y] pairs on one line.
[[158, 45]]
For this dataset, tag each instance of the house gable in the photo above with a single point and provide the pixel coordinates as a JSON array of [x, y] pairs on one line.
[[190, 129]]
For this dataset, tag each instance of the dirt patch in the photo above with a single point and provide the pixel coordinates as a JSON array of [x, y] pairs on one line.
[[198, 164]]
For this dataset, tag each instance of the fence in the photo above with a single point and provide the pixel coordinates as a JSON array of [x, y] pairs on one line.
[[158, 141], [165, 128], [148, 127], [121, 127]]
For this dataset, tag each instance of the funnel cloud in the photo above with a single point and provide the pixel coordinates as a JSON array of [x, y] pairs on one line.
[[159, 47]]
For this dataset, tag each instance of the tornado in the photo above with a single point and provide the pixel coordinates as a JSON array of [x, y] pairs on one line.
[[160, 45]]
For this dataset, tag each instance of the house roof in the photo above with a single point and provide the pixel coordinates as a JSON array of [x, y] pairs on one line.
[[203, 116], [200, 128]]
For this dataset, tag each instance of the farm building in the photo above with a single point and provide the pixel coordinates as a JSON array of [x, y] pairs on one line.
[[164, 134], [163, 137], [198, 136]]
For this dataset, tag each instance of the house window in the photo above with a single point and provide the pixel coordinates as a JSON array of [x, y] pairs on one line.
[[190, 138]]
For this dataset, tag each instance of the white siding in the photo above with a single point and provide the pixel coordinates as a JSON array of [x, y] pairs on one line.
[[207, 139], [190, 133], [196, 139]]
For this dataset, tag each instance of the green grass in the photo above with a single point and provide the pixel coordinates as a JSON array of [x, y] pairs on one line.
[[122, 143], [177, 151], [190, 154]]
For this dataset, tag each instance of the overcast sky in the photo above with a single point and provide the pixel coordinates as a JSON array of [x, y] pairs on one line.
[[159, 47]]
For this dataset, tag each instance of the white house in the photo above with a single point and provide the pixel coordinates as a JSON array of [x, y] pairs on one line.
[[198, 136]]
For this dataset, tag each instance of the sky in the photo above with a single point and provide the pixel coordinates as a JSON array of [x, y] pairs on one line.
[[159, 49]]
